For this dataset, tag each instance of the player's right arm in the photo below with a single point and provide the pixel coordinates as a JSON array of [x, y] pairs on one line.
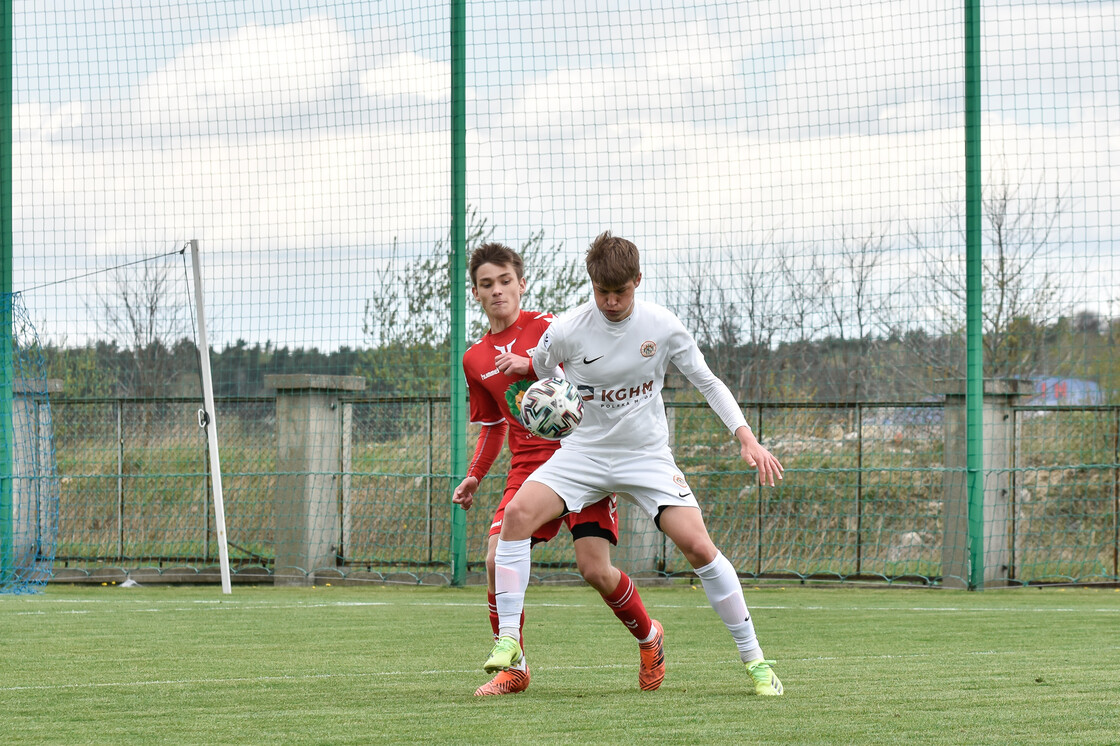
[[486, 450], [549, 352], [486, 412]]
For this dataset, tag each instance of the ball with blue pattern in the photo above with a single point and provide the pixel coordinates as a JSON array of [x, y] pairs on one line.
[[551, 408]]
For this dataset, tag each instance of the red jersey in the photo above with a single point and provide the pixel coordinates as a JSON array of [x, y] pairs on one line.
[[487, 385]]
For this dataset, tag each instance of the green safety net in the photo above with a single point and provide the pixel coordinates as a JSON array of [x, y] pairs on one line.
[[792, 173]]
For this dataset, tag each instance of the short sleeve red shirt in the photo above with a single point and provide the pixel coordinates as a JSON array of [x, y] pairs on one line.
[[487, 385]]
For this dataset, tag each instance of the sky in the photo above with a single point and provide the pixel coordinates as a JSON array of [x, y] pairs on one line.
[[306, 147]]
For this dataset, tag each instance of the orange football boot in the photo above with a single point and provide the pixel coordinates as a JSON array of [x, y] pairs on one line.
[[651, 672], [506, 682]]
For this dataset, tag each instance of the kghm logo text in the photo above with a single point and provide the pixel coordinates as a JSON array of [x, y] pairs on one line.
[[614, 395]]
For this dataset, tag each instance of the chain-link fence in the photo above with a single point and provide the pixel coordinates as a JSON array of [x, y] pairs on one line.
[[852, 207], [865, 495]]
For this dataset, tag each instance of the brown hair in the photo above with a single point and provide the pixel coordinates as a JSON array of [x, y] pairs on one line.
[[495, 253], [612, 261]]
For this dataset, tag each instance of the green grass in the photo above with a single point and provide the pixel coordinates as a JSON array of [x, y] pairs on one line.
[[399, 665]]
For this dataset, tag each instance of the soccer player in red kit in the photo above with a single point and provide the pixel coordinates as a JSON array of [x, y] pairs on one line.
[[496, 368]]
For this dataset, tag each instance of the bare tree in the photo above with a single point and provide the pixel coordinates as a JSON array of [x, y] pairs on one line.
[[555, 282], [860, 305], [862, 302], [1023, 291], [804, 278], [805, 283], [147, 311], [731, 306]]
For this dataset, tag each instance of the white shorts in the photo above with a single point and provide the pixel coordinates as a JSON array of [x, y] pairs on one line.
[[651, 481]]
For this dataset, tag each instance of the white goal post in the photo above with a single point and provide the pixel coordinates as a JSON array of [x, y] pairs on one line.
[[208, 420]]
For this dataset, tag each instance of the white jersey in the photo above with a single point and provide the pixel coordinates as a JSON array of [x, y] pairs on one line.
[[619, 369]]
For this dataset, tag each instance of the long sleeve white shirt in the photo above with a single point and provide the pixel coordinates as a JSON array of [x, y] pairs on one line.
[[619, 369]]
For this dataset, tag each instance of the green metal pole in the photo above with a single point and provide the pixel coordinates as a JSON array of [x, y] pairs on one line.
[[974, 392], [458, 269], [7, 553]]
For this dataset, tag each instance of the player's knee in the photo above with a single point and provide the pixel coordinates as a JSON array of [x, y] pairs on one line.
[[517, 519], [699, 551], [597, 574]]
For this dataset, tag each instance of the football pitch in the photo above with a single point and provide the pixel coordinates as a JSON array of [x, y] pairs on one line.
[[399, 665]]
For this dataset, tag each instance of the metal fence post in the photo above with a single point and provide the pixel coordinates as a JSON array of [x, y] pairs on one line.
[[120, 479], [859, 488], [429, 467], [758, 512], [1116, 497]]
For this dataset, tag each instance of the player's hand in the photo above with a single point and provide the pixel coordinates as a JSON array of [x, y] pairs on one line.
[[758, 457], [464, 493], [512, 365]]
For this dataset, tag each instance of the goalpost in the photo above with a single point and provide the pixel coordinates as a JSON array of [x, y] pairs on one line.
[[30, 488], [208, 420], [29, 484]]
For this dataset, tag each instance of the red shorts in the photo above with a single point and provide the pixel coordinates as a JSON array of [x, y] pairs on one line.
[[599, 519]]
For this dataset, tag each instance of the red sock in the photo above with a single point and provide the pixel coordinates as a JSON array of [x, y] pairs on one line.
[[493, 604], [628, 607]]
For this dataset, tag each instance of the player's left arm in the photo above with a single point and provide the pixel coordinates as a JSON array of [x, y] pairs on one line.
[[757, 456], [515, 366], [690, 361]]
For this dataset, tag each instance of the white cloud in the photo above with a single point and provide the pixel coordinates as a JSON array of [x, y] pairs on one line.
[[790, 123], [259, 72], [862, 126], [409, 75]]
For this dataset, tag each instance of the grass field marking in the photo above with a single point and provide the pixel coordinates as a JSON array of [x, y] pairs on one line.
[[224, 607], [457, 671], [960, 609], [286, 677], [236, 605]]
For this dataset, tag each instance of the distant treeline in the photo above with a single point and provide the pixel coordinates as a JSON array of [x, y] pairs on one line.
[[898, 367]]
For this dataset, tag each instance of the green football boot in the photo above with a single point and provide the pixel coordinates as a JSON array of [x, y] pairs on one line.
[[505, 655], [765, 682]]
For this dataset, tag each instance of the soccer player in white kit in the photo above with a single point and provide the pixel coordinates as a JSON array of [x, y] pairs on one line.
[[616, 351]]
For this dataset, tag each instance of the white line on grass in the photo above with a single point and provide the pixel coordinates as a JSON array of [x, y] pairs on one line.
[[114, 606], [442, 672]]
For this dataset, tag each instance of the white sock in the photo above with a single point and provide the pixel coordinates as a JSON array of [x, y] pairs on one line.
[[725, 594], [511, 578]]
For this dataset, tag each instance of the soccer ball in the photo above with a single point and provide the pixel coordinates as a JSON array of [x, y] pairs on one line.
[[551, 408]]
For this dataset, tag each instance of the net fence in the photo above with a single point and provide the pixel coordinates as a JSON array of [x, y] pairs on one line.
[[29, 493], [793, 174]]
